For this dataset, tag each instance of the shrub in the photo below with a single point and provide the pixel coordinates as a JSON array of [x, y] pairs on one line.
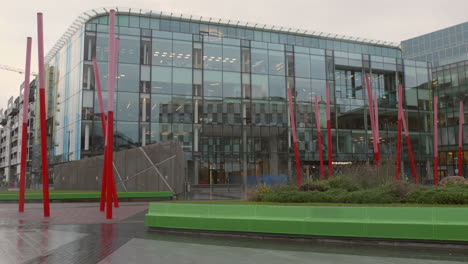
[[452, 180], [455, 194], [343, 182], [374, 195], [320, 186], [258, 193], [403, 189]]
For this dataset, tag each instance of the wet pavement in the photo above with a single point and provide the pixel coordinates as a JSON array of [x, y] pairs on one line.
[[79, 233]]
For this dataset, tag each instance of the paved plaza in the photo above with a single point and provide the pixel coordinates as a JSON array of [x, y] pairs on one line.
[[79, 233]]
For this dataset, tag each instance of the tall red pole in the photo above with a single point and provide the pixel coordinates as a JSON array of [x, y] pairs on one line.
[[319, 136], [436, 141], [330, 147], [376, 128], [293, 128], [42, 110], [371, 116], [410, 149], [110, 114], [460, 140], [97, 79], [398, 158], [24, 131]]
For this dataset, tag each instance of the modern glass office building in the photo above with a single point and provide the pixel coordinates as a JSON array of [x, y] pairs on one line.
[[219, 87], [447, 50]]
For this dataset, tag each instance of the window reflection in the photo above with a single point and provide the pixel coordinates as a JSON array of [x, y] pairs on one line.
[[128, 77], [231, 58], [212, 57], [162, 52], [127, 106], [259, 86], [212, 83], [259, 60], [231, 84], [182, 81], [161, 79], [277, 85], [129, 49], [182, 54], [126, 135], [276, 62], [161, 109]]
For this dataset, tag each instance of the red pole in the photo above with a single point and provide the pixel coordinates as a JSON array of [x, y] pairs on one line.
[[410, 150], [376, 128], [293, 128], [398, 158], [42, 110], [460, 140], [371, 116], [24, 131], [436, 141], [113, 186], [97, 79], [319, 136], [110, 114], [330, 147]]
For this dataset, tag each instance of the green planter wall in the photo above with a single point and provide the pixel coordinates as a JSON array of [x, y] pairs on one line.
[[446, 224]]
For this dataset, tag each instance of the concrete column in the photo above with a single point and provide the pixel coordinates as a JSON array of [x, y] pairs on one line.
[[143, 136]]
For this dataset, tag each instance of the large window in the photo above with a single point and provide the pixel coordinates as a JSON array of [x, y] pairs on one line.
[[231, 84], [182, 81], [161, 79], [182, 54], [277, 85], [259, 86], [231, 58], [317, 67], [213, 57], [128, 78], [129, 49], [212, 83], [276, 62], [259, 60], [127, 106], [162, 52], [302, 62], [161, 109]]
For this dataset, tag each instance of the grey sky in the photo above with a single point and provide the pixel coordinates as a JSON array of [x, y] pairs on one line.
[[392, 20]]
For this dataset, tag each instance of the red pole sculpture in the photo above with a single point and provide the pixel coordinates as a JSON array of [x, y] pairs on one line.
[[376, 128], [398, 158], [436, 141], [103, 123], [42, 110], [110, 115], [24, 131], [460, 140], [371, 116], [330, 147], [319, 136], [408, 142], [293, 128]]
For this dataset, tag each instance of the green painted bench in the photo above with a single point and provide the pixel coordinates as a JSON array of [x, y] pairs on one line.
[[425, 223]]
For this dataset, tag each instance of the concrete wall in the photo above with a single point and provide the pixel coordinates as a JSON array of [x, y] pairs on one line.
[[86, 174]]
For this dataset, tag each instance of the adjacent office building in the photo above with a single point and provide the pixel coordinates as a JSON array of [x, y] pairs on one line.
[[447, 50], [219, 87], [10, 138]]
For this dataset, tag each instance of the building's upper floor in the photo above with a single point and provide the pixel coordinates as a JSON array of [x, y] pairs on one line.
[[440, 47]]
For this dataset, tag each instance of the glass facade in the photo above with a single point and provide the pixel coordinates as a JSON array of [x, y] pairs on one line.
[[441, 47], [220, 90], [447, 50], [450, 85]]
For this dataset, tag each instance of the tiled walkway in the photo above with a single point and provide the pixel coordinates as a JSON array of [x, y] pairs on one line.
[[79, 233]]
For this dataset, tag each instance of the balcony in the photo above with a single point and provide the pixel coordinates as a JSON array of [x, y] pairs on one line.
[[3, 120], [13, 110]]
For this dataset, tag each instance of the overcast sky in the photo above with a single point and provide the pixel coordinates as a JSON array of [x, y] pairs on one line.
[[390, 20]]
